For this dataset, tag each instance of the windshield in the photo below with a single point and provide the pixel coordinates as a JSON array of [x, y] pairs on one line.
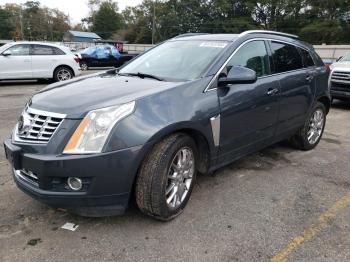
[[346, 57], [180, 60], [4, 47]]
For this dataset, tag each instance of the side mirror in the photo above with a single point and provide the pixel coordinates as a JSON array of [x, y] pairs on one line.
[[339, 58], [6, 53], [238, 75]]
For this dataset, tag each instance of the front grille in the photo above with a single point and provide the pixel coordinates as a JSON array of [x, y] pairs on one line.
[[37, 126], [340, 87], [341, 77], [28, 176]]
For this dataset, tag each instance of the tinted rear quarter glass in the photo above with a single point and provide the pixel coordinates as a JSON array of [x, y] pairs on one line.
[[58, 51], [317, 58], [286, 57], [307, 59]]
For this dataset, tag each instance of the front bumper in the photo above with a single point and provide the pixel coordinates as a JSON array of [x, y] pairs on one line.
[[340, 94], [77, 70], [107, 177]]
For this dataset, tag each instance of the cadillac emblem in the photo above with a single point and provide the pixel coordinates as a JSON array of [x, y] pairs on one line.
[[23, 124]]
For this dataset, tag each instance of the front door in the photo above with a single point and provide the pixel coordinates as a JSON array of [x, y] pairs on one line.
[[248, 111], [17, 64]]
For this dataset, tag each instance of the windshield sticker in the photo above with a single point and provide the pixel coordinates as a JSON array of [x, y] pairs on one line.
[[213, 44]]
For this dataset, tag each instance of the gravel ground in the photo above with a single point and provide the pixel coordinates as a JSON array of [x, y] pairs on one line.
[[248, 211]]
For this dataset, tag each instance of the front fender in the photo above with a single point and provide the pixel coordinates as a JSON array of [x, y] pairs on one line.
[[182, 107]]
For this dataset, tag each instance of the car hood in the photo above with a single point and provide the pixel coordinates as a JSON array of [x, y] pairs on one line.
[[340, 65], [78, 96]]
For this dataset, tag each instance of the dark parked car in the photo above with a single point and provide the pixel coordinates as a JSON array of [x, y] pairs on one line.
[[190, 105], [103, 56]]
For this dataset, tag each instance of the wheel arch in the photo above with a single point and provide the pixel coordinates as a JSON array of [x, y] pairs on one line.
[[326, 101], [204, 145], [201, 141]]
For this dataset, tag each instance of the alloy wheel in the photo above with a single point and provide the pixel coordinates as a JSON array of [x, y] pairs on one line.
[[64, 74], [180, 177], [315, 126]]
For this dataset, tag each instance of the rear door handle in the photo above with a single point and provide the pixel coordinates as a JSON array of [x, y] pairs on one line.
[[272, 92]]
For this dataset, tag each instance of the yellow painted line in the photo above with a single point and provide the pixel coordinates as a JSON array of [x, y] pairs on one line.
[[323, 221]]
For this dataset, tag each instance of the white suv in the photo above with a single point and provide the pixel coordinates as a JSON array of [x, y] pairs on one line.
[[32, 60]]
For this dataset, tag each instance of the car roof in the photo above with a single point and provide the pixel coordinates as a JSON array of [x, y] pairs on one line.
[[207, 37], [36, 43], [293, 39]]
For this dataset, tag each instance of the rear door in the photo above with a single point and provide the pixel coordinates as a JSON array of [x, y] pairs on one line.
[[296, 84], [18, 64], [44, 60], [248, 111]]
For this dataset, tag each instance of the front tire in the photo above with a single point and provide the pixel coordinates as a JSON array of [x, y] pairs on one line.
[[308, 137], [166, 177]]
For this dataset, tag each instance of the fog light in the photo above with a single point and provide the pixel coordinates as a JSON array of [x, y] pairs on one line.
[[75, 183]]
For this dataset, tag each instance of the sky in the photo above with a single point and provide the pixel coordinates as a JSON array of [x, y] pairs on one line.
[[77, 9]]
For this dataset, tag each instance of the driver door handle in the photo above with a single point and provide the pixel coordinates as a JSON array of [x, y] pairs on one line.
[[309, 78], [272, 91]]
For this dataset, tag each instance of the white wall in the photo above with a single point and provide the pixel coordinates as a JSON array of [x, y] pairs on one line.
[[331, 52]]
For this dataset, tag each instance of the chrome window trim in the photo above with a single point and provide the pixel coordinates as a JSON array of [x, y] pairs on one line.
[[18, 174], [208, 89]]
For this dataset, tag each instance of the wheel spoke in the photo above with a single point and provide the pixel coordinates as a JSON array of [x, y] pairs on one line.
[[172, 195], [175, 200], [172, 177], [171, 187]]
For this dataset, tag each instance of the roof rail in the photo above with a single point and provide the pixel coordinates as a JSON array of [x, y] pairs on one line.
[[189, 34], [268, 32]]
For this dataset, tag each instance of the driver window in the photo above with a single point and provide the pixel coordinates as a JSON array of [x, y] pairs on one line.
[[19, 50], [252, 55]]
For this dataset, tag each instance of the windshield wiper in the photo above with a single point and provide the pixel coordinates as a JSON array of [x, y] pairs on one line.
[[143, 75]]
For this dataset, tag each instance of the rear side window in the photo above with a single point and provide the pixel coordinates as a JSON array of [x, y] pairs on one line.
[[46, 50], [307, 59], [252, 55], [286, 57]]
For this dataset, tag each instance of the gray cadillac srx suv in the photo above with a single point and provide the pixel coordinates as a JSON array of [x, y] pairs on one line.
[[189, 105]]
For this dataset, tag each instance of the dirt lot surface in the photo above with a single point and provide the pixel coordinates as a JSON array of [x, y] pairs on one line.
[[277, 204]]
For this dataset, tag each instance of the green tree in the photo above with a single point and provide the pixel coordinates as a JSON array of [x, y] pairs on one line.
[[7, 24], [106, 20]]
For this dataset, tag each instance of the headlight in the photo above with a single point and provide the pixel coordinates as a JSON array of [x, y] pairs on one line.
[[91, 135]]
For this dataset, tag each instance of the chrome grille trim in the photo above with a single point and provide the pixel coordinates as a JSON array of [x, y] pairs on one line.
[[39, 125], [27, 176], [340, 77]]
